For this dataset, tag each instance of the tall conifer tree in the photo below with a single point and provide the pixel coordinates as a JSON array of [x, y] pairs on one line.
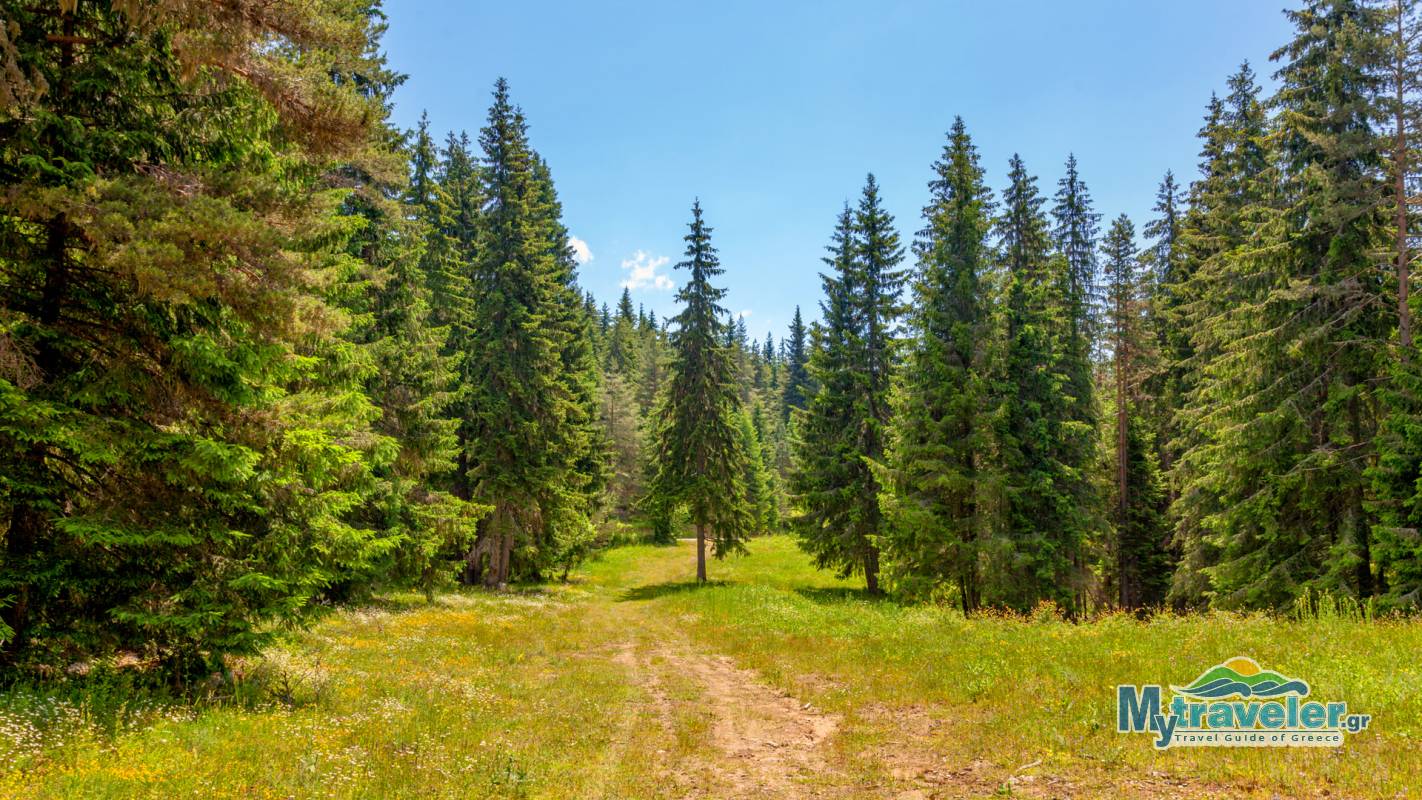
[[1398, 472], [183, 423], [941, 445], [1076, 228], [1141, 568], [798, 388], [1290, 427], [1164, 258], [827, 460], [700, 456], [841, 519], [524, 424], [1231, 194], [1036, 550]]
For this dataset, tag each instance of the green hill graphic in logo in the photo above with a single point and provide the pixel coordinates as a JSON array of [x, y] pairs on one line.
[[1242, 677]]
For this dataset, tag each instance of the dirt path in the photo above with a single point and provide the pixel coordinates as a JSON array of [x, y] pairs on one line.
[[723, 731], [769, 745], [758, 742]]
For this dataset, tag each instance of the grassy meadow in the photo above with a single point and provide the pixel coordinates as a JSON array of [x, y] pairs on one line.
[[776, 680]]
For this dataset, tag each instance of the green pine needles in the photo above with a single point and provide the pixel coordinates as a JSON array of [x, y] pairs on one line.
[[262, 352], [700, 457]]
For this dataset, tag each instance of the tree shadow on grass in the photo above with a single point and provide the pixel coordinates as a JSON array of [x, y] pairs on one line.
[[411, 600], [652, 591], [825, 595]]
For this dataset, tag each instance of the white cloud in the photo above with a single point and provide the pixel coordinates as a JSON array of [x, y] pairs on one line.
[[642, 271], [745, 313], [581, 252]]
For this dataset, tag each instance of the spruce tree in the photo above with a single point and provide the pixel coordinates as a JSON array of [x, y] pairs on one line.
[[841, 519], [772, 362], [798, 388], [1228, 200], [1141, 566], [1075, 232], [757, 480], [699, 453], [524, 423], [1163, 265], [409, 378], [183, 421], [1037, 547], [881, 284], [445, 197], [940, 435], [827, 464], [568, 510], [1290, 427], [1395, 477], [1075, 331]]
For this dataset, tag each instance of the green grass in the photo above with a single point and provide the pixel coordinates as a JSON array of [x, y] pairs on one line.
[[524, 695], [1013, 691]]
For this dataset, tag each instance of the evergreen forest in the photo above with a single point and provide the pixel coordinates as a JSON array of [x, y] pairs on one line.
[[264, 353]]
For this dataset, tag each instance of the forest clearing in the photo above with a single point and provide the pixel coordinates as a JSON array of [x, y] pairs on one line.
[[777, 681], [818, 399]]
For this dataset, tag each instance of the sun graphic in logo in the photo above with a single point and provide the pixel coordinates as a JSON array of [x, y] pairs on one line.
[[1244, 666]]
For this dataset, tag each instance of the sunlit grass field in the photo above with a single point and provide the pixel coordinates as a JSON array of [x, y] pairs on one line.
[[532, 694]]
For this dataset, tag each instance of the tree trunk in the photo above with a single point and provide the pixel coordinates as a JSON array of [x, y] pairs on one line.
[[700, 552], [474, 562], [871, 570], [27, 523], [506, 563], [1400, 164], [498, 576], [20, 542], [1359, 513], [461, 487], [1125, 594]]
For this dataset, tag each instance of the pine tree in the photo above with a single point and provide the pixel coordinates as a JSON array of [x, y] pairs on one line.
[[798, 388], [940, 443], [841, 519], [1227, 205], [525, 431], [1141, 564], [1075, 232], [1036, 550], [700, 458], [1396, 475], [183, 422], [1290, 427]]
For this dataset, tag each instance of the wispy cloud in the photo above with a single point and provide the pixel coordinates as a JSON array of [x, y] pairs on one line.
[[745, 313], [642, 271], [581, 252]]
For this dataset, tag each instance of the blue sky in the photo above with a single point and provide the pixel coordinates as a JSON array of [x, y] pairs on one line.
[[773, 112]]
